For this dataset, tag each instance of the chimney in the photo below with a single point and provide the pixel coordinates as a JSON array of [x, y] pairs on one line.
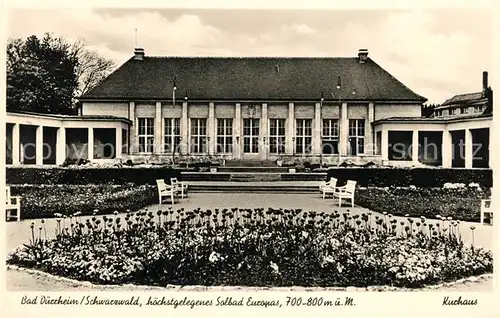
[[485, 82], [362, 55], [138, 54]]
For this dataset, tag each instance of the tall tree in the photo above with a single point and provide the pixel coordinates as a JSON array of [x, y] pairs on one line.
[[91, 69], [46, 75]]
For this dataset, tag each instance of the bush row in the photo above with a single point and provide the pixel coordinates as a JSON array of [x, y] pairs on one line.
[[43, 201], [460, 204], [420, 177], [61, 175]]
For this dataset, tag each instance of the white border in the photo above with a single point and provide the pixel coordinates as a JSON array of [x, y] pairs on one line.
[[369, 304]]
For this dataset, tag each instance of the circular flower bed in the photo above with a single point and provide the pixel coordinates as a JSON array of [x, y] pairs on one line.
[[253, 247]]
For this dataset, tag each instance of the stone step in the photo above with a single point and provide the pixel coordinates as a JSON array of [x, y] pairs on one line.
[[252, 187], [245, 176]]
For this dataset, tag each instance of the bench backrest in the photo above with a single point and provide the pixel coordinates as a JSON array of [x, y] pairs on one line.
[[161, 185], [332, 182], [7, 194], [486, 206], [350, 186]]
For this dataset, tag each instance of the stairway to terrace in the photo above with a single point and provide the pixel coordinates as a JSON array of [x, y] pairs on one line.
[[253, 176]]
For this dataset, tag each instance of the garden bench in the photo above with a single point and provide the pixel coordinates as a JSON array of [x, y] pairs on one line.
[[346, 192], [165, 190], [179, 186], [324, 183], [329, 187], [486, 208], [12, 204]]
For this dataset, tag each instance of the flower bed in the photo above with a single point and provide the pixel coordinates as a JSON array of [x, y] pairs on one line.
[[462, 203], [420, 177], [253, 247], [43, 201]]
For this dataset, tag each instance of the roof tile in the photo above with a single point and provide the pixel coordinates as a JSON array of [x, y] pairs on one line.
[[251, 78]]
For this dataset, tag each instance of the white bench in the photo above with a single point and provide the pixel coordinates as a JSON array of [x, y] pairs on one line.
[[165, 190], [486, 208], [179, 186], [12, 204], [328, 187], [346, 192]]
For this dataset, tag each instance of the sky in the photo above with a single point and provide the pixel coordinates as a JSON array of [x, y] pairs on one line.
[[437, 53]]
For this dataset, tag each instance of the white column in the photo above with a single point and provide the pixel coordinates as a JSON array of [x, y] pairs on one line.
[[158, 129], [61, 146], [133, 131], [414, 146], [211, 126], [264, 132], [118, 143], [446, 150], [489, 148], [468, 148], [384, 144], [39, 145], [16, 145], [316, 138], [185, 129], [344, 130], [237, 132], [370, 136], [290, 132], [90, 144]]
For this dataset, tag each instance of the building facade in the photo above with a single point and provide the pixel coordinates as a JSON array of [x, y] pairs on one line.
[[319, 110], [456, 135]]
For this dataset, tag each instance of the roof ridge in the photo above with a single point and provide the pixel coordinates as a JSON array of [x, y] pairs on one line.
[[248, 57]]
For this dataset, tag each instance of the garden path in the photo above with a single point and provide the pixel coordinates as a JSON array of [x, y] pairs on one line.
[[19, 232]]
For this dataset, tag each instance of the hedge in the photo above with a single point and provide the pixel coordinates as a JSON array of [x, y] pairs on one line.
[[43, 201], [420, 177], [62, 175]]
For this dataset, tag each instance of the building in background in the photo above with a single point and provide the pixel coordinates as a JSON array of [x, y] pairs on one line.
[[457, 135], [327, 110]]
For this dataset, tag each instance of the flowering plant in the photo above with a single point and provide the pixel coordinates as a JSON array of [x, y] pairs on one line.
[[253, 247]]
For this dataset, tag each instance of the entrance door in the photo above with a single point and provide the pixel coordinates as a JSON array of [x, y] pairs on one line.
[[251, 133]]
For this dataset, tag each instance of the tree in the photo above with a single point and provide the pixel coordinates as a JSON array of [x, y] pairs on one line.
[[46, 75], [91, 70]]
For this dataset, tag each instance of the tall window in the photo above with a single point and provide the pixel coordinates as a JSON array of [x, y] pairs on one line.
[[356, 136], [303, 136], [224, 135], [276, 136], [330, 136], [125, 141], [146, 134], [172, 137], [251, 132], [198, 135]]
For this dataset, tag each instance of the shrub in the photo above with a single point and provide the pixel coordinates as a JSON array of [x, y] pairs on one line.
[[421, 177], [253, 248], [461, 203], [43, 201], [83, 175]]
